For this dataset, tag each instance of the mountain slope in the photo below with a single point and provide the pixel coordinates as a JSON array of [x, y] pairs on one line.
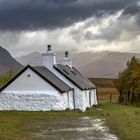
[[109, 66], [34, 59], [92, 64], [78, 59], [7, 62]]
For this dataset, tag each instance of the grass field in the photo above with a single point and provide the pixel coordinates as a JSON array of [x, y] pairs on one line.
[[122, 120], [105, 93], [105, 89], [103, 82]]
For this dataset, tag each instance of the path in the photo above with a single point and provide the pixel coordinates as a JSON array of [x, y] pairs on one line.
[[83, 128]]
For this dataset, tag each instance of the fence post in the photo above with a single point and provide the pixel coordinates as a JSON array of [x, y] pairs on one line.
[[110, 98]]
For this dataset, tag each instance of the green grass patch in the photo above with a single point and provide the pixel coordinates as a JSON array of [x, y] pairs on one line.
[[122, 120]]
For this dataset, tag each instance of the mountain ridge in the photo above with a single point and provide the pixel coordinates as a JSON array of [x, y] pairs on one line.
[[7, 62], [92, 64]]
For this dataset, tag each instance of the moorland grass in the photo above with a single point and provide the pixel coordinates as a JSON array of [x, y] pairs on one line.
[[122, 120]]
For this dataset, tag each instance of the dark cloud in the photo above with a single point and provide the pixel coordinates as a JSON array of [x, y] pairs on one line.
[[132, 9], [50, 14]]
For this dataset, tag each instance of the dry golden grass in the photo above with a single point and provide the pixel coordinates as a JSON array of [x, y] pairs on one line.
[[105, 93], [103, 82], [105, 89]]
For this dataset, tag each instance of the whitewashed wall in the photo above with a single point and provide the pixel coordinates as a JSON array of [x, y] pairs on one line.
[[87, 99], [79, 100], [79, 95], [70, 100], [49, 59], [33, 101], [94, 97], [33, 93]]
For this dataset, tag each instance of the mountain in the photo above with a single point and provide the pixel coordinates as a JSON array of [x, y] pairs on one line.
[[92, 64], [108, 66], [78, 59], [7, 62], [34, 59]]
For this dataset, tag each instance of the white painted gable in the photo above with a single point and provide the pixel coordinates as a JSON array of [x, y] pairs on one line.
[[29, 81]]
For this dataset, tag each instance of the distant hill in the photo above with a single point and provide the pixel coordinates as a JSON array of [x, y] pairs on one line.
[[103, 82], [78, 59], [7, 62], [34, 59], [92, 64], [108, 66]]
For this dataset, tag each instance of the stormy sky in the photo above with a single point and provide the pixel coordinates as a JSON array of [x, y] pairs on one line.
[[80, 25]]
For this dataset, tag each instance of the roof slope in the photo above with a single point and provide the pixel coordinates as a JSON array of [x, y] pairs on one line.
[[53, 78], [83, 78], [74, 76], [45, 74]]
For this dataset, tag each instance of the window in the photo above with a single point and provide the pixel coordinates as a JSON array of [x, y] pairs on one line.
[[28, 75]]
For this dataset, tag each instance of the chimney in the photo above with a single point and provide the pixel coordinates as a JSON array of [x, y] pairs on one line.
[[66, 60], [49, 58]]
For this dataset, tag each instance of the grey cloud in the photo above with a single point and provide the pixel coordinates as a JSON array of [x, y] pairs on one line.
[[89, 35], [51, 14], [108, 34], [132, 9], [123, 29], [9, 38]]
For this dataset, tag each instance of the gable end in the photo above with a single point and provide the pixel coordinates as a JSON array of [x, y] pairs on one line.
[[40, 75]]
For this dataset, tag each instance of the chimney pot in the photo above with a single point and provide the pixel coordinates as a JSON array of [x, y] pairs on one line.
[[66, 54], [49, 58], [66, 60], [49, 48]]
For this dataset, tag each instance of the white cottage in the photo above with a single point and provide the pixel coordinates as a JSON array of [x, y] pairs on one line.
[[49, 87]]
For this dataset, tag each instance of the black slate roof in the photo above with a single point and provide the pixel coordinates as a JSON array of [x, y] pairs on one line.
[[75, 77], [45, 74], [62, 86]]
